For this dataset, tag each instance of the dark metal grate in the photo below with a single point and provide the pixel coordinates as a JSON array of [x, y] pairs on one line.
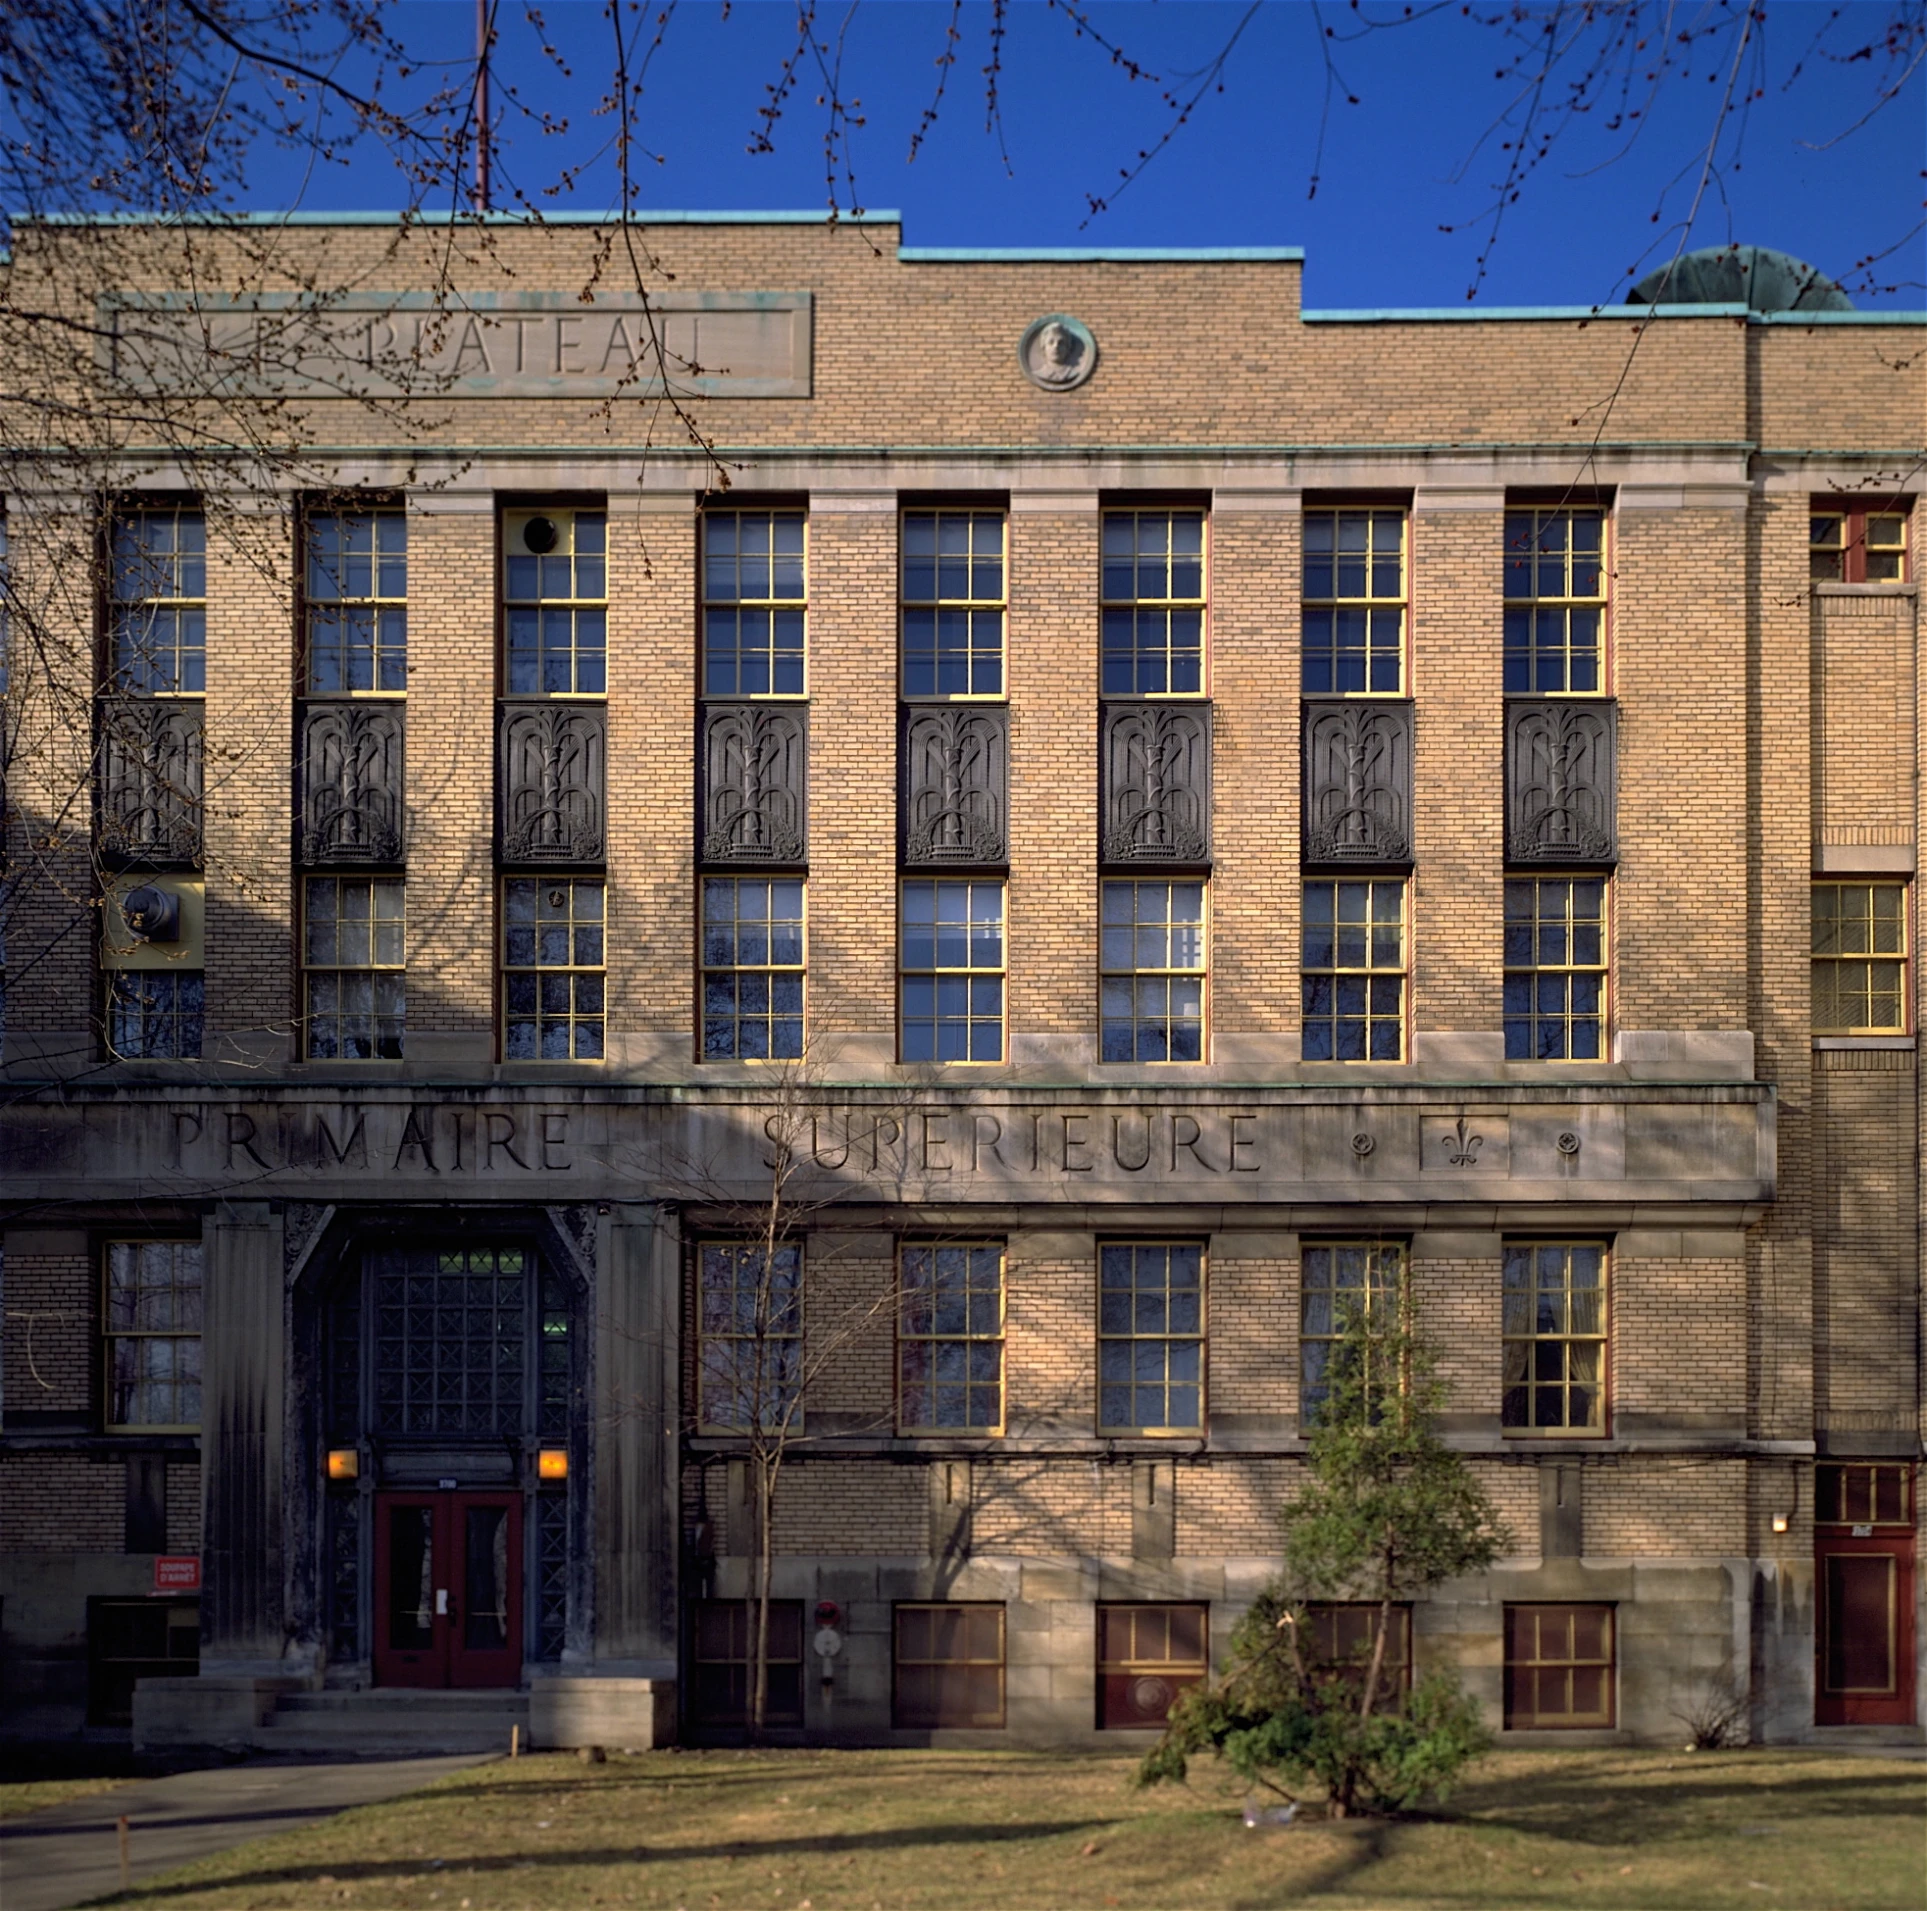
[[551, 1574], [450, 1328]]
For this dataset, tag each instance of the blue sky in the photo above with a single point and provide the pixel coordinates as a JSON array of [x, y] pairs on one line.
[[1399, 165]]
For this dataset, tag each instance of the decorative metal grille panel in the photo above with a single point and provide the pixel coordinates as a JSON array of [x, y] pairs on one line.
[[755, 797], [151, 780], [955, 786], [550, 784], [1358, 784], [1561, 781], [450, 1342], [1156, 801], [351, 784], [556, 1377], [344, 1576], [551, 1574]]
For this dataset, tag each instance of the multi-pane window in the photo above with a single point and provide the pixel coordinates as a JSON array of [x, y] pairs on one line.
[[951, 952], [1146, 1656], [1558, 1667], [1150, 1345], [750, 1335], [753, 603], [1555, 969], [153, 1316], [949, 1665], [950, 1337], [1859, 958], [1865, 1493], [354, 950], [752, 968], [1338, 1279], [1554, 1351], [157, 586], [552, 968], [1153, 588], [1353, 973], [1555, 602], [1340, 1638], [1854, 545], [1151, 980], [357, 602], [953, 604], [155, 1015], [723, 1662], [1353, 616], [555, 604]]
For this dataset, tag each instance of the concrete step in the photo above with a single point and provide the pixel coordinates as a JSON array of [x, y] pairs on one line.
[[1859, 1735], [417, 1704], [387, 1722]]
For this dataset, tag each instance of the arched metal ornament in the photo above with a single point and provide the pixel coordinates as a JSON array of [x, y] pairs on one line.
[[1058, 352]]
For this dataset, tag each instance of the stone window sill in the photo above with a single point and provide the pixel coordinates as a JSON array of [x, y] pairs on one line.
[[1865, 1041]]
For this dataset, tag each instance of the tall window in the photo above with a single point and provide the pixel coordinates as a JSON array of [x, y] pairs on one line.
[[157, 573], [953, 603], [753, 603], [749, 1334], [353, 973], [1153, 604], [153, 1315], [1555, 969], [1151, 985], [552, 969], [1354, 603], [1150, 1345], [1860, 958], [949, 1666], [752, 968], [950, 1337], [1555, 602], [1353, 974], [951, 949], [155, 1015], [555, 596], [357, 602], [1555, 1337], [1855, 545], [1336, 1277], [1558, 1667]]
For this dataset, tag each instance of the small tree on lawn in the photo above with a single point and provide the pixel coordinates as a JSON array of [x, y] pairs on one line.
[[1389, 1512]]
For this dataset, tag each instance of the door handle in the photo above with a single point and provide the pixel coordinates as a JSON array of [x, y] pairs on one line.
[[441, 1602]]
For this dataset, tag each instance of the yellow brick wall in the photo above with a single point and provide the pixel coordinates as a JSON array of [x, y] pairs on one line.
[[52, 1315], [1863, 720]]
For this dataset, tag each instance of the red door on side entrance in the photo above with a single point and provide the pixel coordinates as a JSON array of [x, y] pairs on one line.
[[1864, 1568], [448, 1589]]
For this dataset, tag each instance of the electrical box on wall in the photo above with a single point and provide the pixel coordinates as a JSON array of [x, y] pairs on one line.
[[153, 922]]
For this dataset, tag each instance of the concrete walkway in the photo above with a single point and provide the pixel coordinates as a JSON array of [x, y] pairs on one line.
[[69, 1854]]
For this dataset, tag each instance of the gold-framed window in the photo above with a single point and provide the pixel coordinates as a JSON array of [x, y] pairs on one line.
[[1147, 1656], [947, 1662], [753, 953], [1861, 958], [1153, 603], [1333, 1278], [749, 1334], [1555, 601], [1151, 980], [1558, 1667], [555, 603], [157, 600], [953, 600], [354, 952], [355, 599], [1352, 616], [1554, 986], [1863, 1493], [1353, 970], [553, 954], [723, 1661], [1338, 1642], [1857, 544], [950, 1337], [755, 606], [1555, 1341], [1150, 1337], [950, 976], [152, 1316]]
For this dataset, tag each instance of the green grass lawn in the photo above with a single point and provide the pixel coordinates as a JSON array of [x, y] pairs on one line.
[[30, 1794], [954, 1831]]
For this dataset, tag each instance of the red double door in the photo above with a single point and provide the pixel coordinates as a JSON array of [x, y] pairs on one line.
[[448, 1589]]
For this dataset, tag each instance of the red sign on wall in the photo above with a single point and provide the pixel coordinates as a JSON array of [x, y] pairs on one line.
[[177, 1573]]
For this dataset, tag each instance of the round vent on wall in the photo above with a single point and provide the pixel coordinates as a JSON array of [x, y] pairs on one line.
[[540, 536], [152, 914]]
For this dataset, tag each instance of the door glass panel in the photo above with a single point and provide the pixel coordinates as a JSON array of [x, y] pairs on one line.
[[411, 1578], [485, 1619], [1860, 1621]]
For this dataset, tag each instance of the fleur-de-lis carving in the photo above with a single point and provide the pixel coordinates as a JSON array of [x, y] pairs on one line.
[[1462, 1148]]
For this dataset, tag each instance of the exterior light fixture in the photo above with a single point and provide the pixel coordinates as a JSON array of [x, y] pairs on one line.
[[1781, 1522], [344, 1463], [552, 1463]]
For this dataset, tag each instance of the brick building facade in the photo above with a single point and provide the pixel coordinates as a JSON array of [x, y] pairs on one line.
[[1141, 809]]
